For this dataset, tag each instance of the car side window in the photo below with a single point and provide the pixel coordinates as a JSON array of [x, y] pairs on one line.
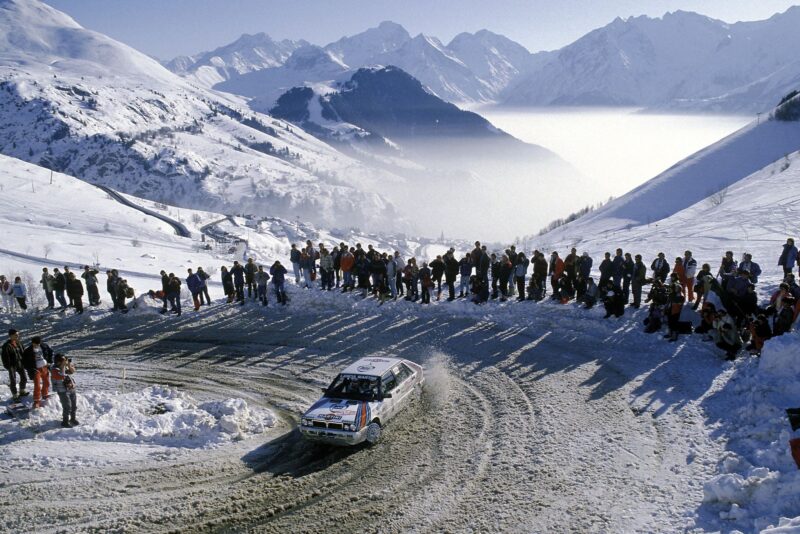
[[388, 382], [404, 372]]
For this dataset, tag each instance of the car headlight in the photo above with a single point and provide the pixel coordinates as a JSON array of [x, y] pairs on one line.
[[305, 421]]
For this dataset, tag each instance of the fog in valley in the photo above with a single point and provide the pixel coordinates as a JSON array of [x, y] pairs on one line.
[[617, 148]]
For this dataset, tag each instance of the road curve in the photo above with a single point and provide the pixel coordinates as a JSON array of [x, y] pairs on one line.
[[518, 431], [180, 228]]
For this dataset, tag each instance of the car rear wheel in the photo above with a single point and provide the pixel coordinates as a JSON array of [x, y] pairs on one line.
[[373, 432]]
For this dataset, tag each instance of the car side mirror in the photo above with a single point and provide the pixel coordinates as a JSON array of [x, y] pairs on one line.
[[387, 395], [324, 390]]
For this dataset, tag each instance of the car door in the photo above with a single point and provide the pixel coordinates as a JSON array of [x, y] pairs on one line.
[[404, 386], [389, 385]]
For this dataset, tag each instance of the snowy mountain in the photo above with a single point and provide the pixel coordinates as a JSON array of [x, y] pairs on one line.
[[86, 105], [307, 65], [472, 68], [682, 60], [360, 49], [247, 54], [386, 102], [495, 59]]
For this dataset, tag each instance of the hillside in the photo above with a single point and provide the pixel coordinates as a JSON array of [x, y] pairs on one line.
[[40, 228], [712, 172], [81, 103]]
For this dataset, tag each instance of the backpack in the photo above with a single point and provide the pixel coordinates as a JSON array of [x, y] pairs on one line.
[[426, 281]]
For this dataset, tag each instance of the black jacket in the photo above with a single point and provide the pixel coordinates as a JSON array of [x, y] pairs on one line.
[[74, 288], [437, 269], [12, 355], [60, 282], [451, 268], [29, 359]]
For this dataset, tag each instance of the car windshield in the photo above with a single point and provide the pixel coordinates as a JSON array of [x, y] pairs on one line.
[[357, 387]]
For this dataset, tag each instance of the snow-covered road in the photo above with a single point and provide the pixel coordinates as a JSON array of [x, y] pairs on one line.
[[539, 427]]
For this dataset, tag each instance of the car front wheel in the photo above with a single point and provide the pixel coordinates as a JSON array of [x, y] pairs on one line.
[[373, 433]]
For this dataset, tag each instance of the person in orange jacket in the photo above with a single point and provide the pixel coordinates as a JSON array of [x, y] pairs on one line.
[[346, 262], [556, 269]]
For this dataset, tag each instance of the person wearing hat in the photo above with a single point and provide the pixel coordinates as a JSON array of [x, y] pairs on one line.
[[12, 361]]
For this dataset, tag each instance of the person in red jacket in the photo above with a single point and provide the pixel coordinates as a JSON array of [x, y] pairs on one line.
[[346, 262], [556, 269]]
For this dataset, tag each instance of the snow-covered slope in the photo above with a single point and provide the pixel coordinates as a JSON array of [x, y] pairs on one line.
[[84, 104], [712, 172], [42, 225], [680, 60], [246, 54]]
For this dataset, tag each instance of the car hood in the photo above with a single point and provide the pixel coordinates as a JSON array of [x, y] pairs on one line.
[[342, 410]]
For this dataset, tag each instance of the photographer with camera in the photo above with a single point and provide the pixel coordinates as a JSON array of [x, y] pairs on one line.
[[64, 385]]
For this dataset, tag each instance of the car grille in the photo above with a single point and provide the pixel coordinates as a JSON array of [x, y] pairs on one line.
[[323, 424]]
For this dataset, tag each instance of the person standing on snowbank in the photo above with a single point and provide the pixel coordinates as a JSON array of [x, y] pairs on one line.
[[6, 294], [20, 293], [278, 273], [788, 257], [261, 279], [60, 286], [75, 292], [250, 276], [203, 286], [47, 282], [64, 385], [237, 271], [36, 360], [194, 284], [12, 361], [90, 277]]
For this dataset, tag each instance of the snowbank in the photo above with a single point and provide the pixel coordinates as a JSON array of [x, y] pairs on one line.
[[758, 480], [156, 415]]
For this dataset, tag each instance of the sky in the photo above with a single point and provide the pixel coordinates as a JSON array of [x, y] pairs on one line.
[[168, 28]]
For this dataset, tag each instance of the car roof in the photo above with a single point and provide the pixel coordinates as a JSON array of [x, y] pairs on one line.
[[372, 366]]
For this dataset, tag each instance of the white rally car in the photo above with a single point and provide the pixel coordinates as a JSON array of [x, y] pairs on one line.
[[361, 400]]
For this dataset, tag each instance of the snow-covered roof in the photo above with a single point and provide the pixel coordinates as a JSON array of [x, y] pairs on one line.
[[373, 366]]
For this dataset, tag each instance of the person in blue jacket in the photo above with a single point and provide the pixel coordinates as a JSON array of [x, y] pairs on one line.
[[278, 273], [788, 257], [195, 285]]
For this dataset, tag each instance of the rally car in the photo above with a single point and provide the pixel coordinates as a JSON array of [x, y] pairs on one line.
[[361, 400]]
